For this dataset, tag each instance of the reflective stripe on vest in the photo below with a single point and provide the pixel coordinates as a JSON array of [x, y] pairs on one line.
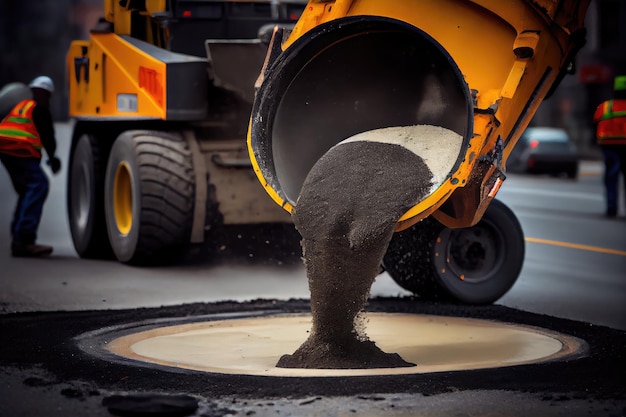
[[18, 134], [611, 119]]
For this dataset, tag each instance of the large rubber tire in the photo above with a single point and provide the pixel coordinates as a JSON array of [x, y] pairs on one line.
[[475, 265], [85, 197], [149, 197]]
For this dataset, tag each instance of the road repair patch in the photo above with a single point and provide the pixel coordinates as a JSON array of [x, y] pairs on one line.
[[253, 345], [69, 346]]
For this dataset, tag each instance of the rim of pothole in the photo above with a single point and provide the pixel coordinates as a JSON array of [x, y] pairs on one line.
[[250, 343]]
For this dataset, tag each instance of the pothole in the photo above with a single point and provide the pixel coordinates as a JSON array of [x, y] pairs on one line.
[[251, 345]]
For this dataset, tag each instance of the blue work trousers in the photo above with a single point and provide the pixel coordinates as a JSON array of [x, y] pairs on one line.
[[614, 163], [31, 185]]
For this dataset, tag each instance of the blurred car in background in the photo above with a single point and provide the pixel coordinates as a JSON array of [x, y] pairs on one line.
[[544, 150]]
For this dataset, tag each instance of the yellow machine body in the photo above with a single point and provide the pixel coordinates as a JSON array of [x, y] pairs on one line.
[[121, 16], [509, 55], [161, 94], [127, 71], [120, 77]]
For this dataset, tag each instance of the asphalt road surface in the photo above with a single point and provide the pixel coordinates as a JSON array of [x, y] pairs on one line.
[[575, 259], [574, 277]]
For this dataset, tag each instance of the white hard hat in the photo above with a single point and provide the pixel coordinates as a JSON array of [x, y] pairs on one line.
[[42, 82]]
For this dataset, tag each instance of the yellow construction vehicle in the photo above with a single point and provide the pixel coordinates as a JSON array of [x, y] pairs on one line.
[[477, 67], [161, 93]]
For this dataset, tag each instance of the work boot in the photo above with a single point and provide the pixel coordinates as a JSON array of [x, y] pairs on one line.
[[30, 250]]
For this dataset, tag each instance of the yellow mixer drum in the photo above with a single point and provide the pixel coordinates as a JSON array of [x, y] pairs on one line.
[[479, 68]]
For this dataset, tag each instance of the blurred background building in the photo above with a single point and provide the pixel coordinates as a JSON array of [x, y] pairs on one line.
[[35, 35]]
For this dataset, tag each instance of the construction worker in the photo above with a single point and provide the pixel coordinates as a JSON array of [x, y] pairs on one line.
[[23, 133], [610, 121]]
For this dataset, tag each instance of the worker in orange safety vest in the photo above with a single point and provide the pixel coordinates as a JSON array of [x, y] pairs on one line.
[[23, 133], [610, 127]]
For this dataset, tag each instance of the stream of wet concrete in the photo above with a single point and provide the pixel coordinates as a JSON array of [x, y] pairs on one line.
[[347, 212]]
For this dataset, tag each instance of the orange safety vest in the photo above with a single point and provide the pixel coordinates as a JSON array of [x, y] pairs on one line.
[[18, 134], [611, 119]]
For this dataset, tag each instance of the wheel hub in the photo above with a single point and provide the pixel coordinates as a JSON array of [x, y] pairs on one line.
[[123, 199], [473, 253]]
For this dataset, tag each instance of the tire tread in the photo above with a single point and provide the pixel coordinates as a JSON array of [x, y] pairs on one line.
[[167, 196]]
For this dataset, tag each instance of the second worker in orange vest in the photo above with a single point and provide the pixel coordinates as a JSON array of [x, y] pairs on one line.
[[23, 133], [610, 122]]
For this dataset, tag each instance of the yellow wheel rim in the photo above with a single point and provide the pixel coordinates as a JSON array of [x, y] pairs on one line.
[[123, 198]]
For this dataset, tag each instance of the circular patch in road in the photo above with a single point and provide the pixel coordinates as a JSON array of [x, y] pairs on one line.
[[64, 354], [253, 345], [72, 346]]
